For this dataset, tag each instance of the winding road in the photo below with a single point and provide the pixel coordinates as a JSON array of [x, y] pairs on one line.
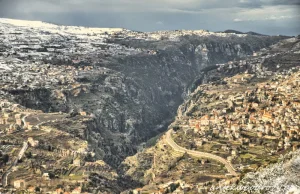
[[178, 148], [9, 170]]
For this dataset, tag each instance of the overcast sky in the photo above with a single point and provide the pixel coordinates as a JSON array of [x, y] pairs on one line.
[[263, 16]]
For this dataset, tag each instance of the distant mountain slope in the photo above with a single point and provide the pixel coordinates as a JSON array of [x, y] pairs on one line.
[[238, 32]]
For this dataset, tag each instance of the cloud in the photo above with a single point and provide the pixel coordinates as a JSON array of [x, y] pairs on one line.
[[273, 17], [135, 5], [159, 23], [274, 12], [238, 20]]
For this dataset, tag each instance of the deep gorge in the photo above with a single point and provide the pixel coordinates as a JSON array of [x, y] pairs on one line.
[[138, 98]]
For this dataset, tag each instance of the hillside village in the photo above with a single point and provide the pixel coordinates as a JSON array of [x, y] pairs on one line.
[[250, 127], [267, 115]]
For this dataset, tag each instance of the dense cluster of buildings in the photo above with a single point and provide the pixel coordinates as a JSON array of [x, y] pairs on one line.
[[267, 111]]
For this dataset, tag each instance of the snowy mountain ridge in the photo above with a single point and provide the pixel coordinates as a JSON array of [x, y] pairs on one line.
[[79, 30]]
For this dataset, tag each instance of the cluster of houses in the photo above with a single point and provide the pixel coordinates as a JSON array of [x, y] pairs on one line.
[[270, 110], [14, 119]]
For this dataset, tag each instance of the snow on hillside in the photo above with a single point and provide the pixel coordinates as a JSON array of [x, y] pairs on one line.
[[56, 28], [78, 30]]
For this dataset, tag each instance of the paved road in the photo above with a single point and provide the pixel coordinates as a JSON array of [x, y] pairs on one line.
[[22, 151], [24, 118], [178, 148]]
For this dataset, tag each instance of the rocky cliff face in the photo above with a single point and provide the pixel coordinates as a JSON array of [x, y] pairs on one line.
[[131, 87]]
